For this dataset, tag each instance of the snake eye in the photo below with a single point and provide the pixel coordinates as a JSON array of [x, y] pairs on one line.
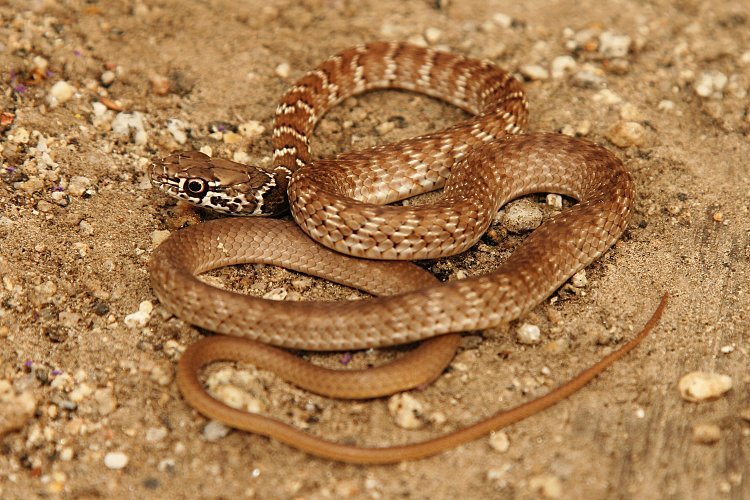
[[196, 187]]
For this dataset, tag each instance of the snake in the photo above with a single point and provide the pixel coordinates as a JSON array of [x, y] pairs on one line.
[[348, 228]]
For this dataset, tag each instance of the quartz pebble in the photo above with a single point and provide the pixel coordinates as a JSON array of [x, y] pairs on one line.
[[215, 430], [626, 133], [15, 408], [141, 316], [78, 185], [177, 129], [534, 72], [251, 129], [701, 386], [433, 35], [555, 201], [502, 20], [406, 411], [706, 433], [116, 460], [579, 279], [155, 434], [548, 485], [130, 125], [499, 441], [522, 215], [711, 84], [107, 77], [158, 237], [283, 70], [562, 65], [61, 92], [528, 334], [612, 45]]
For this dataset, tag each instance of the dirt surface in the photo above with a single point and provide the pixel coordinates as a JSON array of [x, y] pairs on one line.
[[663, 84]]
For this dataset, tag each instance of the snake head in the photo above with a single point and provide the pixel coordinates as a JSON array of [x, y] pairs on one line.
[[220, 185]]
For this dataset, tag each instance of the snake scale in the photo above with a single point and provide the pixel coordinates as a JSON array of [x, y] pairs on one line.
[[481, 163]]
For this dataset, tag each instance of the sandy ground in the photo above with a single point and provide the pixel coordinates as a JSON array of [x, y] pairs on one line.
[[663, 84]]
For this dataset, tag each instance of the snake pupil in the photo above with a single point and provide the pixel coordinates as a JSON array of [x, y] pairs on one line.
[[196, 186]]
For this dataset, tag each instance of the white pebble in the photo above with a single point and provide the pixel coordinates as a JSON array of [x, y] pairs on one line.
[[78, 185], [706, 433], [499, 441], [19, 136], [406, 411], [554, 200], [116, 460], [665, 105], [141, 316], [700, 386], [611, 45], [433, 35], [625, 134], [107, 77], [502, 20], [528, 334], [606, 96], [587, 79], [522, 215], [40, 63], [549, 486], [130, 125], [251, 129], [745, 57], [158, 236], [60, 93], [711, 84], [534, 72], [727, 349], [579, 279], [215, 430], [100, 110], [561, 65], [276, 294], [177, 129], [155, 434], [283, 70]]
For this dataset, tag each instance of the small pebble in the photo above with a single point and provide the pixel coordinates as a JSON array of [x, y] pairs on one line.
[[116, 460], [107, 78], [562, 65], [701, 386], [406, 411], [130, 125], [251, 129], [177, 129], [155, 434], [665, 105], [587, 80], [706, 433], [534, 72], [105, 399], [499, 441], [61, 92], [433, 35], [15, 408], [549, 486], [141, 316], [625, 134], [502, 20], [158, 237], [606, 96], [611, 45], [711, 84], [555, 201], [276, 294], [528, 334], [78, 185], [727, 349], [214, 431], [579, 279], [283, 70], [522, 215], [745, 414]]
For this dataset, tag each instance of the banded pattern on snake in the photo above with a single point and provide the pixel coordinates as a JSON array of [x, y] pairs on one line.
[[482, 163]]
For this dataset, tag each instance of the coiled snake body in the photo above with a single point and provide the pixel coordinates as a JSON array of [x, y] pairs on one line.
[[486, 161]]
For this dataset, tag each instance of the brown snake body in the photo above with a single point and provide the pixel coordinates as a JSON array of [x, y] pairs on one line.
[[338, 203]]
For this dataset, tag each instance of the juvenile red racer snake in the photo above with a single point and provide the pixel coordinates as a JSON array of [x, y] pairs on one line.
[[486, 161]]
